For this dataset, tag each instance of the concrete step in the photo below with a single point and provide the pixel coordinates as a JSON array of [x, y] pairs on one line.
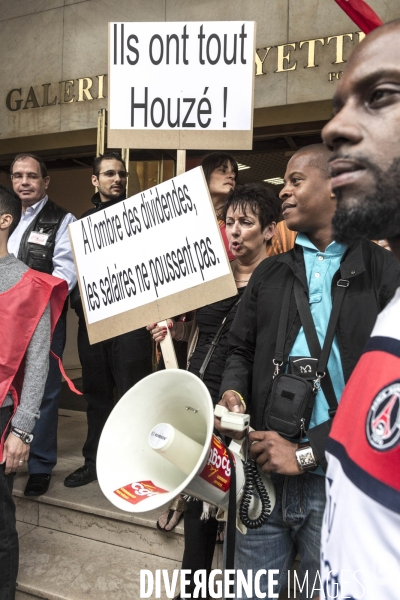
[[61, 566], [85, 512]]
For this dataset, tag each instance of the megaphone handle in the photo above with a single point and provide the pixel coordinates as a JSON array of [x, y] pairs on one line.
[[167, 349]]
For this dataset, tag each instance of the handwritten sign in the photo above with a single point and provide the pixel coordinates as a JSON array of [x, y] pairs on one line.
[[152, 256], [189, 83]]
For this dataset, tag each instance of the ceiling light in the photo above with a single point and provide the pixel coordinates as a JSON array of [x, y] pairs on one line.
[[275, 180], [243, 167]]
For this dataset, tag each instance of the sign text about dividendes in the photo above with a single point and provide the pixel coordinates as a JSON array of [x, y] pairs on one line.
[[155, 211]]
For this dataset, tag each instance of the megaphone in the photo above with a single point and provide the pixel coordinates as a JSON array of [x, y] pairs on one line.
[[159, 442]]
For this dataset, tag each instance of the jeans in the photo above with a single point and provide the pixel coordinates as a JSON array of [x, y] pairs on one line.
[[119, 362], [294, 526], [8, 532], [43, 452]]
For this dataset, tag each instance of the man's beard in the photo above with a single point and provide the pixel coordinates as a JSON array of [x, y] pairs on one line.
[[114, 196], [375, 216]]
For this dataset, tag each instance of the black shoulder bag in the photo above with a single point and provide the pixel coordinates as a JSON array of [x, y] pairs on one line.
[[291, 396]]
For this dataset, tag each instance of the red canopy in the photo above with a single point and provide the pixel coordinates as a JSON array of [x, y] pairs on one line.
[[361, 14]]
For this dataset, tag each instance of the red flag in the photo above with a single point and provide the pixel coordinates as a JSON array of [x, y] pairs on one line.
[[361, 14]]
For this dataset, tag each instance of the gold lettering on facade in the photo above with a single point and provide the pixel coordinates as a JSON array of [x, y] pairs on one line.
[[84, 85], [334, 75], [45, 96], [285, 57], [260, 61], [339, 46], [31, 99], [14, 104], [311, 51], [100, 92], [66, 91], [46, 87]]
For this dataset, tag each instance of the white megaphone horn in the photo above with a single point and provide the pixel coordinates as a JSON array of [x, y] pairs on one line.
[[159, 442]]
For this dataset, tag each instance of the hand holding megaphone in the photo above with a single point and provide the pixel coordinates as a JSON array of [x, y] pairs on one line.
[[229, 417], [233, 422]]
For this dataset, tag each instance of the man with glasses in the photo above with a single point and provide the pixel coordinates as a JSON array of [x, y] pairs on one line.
[[41, 241], [118, 362]]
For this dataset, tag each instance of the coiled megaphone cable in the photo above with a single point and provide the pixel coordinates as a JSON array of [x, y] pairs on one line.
[[253, 482]]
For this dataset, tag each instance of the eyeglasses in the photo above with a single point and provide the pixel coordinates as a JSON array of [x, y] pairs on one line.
[[110, 174], [19, 176]]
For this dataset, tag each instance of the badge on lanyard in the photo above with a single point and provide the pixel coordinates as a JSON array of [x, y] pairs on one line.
[[36, 237]]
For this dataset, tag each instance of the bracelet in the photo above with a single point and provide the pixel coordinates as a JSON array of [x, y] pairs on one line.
[[240, 398], [183, 332], [22, 435]]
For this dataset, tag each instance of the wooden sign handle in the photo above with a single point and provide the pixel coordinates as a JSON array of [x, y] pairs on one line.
[[167, 349], [167, 345]]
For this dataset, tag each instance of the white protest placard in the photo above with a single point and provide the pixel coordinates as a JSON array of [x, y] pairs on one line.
[[181, 85], [157, 254]]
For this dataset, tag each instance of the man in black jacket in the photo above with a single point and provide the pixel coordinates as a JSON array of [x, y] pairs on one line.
[[118, 362], [320, 265]]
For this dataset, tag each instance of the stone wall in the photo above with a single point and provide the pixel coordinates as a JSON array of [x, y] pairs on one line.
[[45, 42]]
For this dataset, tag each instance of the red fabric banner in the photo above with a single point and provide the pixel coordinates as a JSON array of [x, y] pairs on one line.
[[361, 13]]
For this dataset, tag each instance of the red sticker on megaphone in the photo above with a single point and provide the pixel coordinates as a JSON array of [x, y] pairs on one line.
[[136, 492], [218, 469]]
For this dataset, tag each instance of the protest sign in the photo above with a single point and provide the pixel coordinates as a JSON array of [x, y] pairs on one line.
[[157, 254], [181, 85]]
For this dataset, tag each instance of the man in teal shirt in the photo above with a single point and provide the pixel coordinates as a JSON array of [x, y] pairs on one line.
[[320, 269], [319, 264]]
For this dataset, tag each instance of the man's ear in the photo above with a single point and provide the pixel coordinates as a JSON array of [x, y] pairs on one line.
[[46, 181], [95, 180], [5, 221]]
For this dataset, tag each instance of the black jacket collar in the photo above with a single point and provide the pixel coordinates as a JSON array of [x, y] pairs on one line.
[[102, 205]]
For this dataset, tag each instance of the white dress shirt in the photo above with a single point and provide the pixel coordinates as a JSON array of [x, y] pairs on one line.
[[63, 262]]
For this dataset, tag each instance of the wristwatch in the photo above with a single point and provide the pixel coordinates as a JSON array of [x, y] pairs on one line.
[[22, 435], [305, 457]]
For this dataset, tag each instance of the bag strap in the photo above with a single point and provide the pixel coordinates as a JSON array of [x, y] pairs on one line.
[[282, 326], [215, 341], [307, 321], [231, 521]]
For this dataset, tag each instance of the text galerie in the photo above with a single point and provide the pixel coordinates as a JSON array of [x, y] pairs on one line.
[[179, 262]]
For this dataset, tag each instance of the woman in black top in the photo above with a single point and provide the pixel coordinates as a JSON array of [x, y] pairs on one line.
[[250, 216]]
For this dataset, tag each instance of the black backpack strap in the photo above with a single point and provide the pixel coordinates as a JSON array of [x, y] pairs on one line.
[[307, 321], [342, 286], [282, 326]]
